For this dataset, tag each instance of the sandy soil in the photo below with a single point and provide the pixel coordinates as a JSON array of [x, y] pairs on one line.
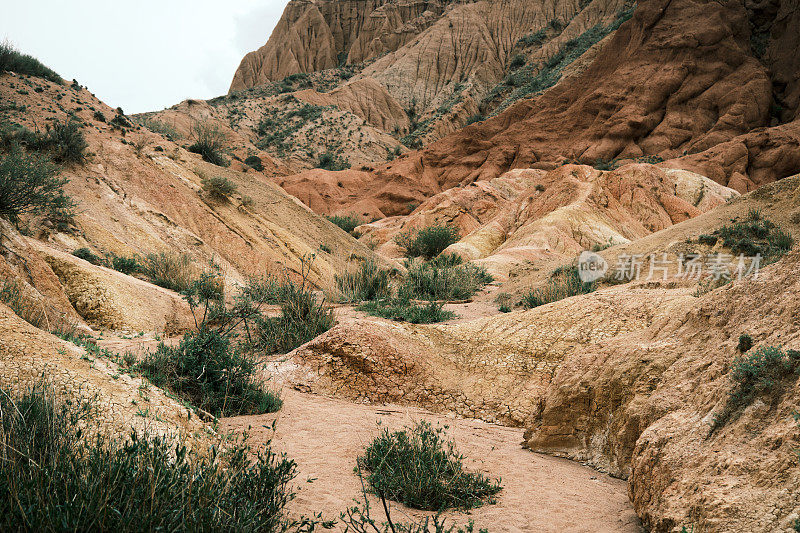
[[540, 493]]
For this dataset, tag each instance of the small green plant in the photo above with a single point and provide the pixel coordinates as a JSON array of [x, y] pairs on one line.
[[65, 142], [420, 467], [745, 343], [254, 162], [404, 311], [445, 278], [160, 127], [87, 255], [709, 240], [427, 242], [764, 370], [218, 187], [14, 61], [331, 161], [755, 235], [99, 116], [563, 283], [126, 265], [29, 183], [347, 222], [209, 143], [367, 282], [57, 466]]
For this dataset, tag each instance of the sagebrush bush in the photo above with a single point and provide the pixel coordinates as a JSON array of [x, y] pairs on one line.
[[30, 183], [254, 162], [347, 222], [419, 467], [754, 235], [58, 474], [367, 282], [404, 311], [331, 161], [87, 255], [745, 343], [14, 61], [218, 187], [563, 283], [65, 142], [170, 270], [757, 373], [126, 265], [446, 278], [427, 242], [209, 143]]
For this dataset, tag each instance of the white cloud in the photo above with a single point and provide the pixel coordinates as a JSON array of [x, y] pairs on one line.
[[143, 55]]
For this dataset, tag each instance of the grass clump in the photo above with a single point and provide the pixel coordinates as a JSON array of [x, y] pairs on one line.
[[207, 368], [209, 143], [302, 316], [218, 187], [764, 370], [172, 271], [420, 467], [745, 343], [427, 242], [30, 183], [563, 283], [57, 476], [404, 311], [445, 278], [13, 60], [367, 282], [254, 162], [65, 142], [754, 235], [348, 223]]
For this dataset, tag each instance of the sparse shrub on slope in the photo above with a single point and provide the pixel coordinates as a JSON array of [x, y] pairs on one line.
[[170, 270], [563, 283], [55, 476], [419, 467], [254, 162], [347, 222], [367, 282], [29, 183], [754, 235], [88, 255], [444, 278], [14, 61], [764, 370], [65, 142], [218, 187], [427, 242], [209, 143]]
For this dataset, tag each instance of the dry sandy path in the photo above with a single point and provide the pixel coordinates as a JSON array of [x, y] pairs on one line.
[[540, 493]]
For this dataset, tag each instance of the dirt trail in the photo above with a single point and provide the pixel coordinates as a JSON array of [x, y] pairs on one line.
[[540, 493]]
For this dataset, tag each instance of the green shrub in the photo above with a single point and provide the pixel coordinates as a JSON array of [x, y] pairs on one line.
[[605, 164], [160, 127], [57, 477], [218, 187], [331, 161], [170, 270], [65, 142], [755, 235], [87, 255], [745, 343], [404, 311], [517, 61], [367, 282], [126, 265], [427, 242], [347, 222], [209, 143], [446, 278], [534, 38], [99, 116], [472, 119], [761, 371], [254, 162], [421, 468], [15, 61], [563, 283], [709, 240], [29, 183]]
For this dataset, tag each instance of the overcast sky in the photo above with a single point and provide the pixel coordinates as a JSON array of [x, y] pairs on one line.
[[142, 55]]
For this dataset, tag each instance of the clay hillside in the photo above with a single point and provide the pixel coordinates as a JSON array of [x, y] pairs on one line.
[[429, 267]]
